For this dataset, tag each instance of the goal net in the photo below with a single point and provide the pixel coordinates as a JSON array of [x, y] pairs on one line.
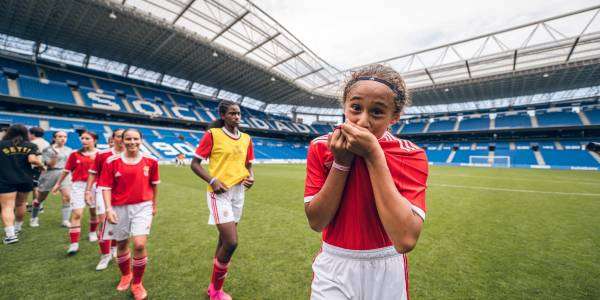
[[489, 161]]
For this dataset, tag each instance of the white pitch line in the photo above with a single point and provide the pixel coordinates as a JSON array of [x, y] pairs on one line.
[[530, 178], [513, 190]]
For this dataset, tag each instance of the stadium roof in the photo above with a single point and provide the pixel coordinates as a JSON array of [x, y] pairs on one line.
[[239, 49], [226, 44], [553, 54]]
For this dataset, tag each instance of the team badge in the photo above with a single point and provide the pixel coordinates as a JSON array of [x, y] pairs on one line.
[[146, 171]]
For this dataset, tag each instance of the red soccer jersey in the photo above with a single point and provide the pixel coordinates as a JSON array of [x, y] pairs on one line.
[[356, 224], [130, 181], [101, 157], [79, 164]]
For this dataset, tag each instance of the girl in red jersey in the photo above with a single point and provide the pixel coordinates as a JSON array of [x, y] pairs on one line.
[[78, 165], [129, 187], [230, 155], [365, 191], [95, 198]]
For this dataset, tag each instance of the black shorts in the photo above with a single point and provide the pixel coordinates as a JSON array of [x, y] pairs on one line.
[[18, 187]]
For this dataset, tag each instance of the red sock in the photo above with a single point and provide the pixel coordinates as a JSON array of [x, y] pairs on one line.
[[74, 234], [124, 262], [113, 243], [104, 246], [93, 225], [139, 266], [219, 274]]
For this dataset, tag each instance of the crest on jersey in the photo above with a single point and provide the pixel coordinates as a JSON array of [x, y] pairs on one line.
[[146, 171]]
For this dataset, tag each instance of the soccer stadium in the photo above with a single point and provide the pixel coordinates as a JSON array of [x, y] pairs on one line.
[[509, 121]]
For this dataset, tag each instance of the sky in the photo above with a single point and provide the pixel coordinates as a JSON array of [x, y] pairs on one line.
[[351, 33]]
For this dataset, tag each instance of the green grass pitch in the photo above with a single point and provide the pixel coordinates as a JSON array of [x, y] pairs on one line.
[[489, 234]]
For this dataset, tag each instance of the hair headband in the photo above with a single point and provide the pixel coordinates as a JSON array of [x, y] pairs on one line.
[[399, 93]]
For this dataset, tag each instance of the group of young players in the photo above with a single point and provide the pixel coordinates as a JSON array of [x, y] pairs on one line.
[[364, 190]]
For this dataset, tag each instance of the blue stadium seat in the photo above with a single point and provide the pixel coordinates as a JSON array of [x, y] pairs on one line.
[[416, 127], [559, 119], [441, 126], [482, 123], [3, 85], [112, 86], [52, 91], [577, 158], [322, 128], [152, 94], [62, 76], [594, 116], [462, 156], [439, 156], [514, 121], [23, 68], [14, 119], [518, 157]]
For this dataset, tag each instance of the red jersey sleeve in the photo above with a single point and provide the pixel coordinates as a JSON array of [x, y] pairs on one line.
[[205, 146], [154, 176], [315, 172], [71, 162], [250, 153], [412, 182], [107, 177]]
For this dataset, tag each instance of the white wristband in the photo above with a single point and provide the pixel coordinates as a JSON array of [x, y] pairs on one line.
[[212, 180], [340, 167]]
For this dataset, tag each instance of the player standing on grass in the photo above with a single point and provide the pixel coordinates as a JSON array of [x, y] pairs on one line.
[[230, 154], [55, 158], [17, 155], [129, 183], [92, 198], [365, 190], [78, 165]]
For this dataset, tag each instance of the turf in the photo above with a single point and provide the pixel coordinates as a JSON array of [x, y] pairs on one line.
[[489, 234]]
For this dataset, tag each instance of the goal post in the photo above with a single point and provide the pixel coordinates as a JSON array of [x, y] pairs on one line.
[[489, 161]]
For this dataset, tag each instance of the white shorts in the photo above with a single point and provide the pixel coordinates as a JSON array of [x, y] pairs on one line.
[[78, 194], [226, 207], [99, 199], [133, 220], [359, 274]]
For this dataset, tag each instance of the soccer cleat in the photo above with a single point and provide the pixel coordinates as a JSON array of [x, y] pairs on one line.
[[104, 261], [66, 223], [73, 248], [138, 291], [93, 237], [124, 282], [217, 294], [10, 239], [34, 222]]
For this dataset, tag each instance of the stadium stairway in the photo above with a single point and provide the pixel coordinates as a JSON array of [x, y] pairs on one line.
[[534, 121], [584, 119], [595, 155], [539, 158], [451, 156]]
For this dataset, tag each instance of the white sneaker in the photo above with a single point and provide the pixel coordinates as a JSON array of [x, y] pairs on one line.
[[73, 248], [34, 222], [66, 223], [93, 237], [104, 261], [113, 251]]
